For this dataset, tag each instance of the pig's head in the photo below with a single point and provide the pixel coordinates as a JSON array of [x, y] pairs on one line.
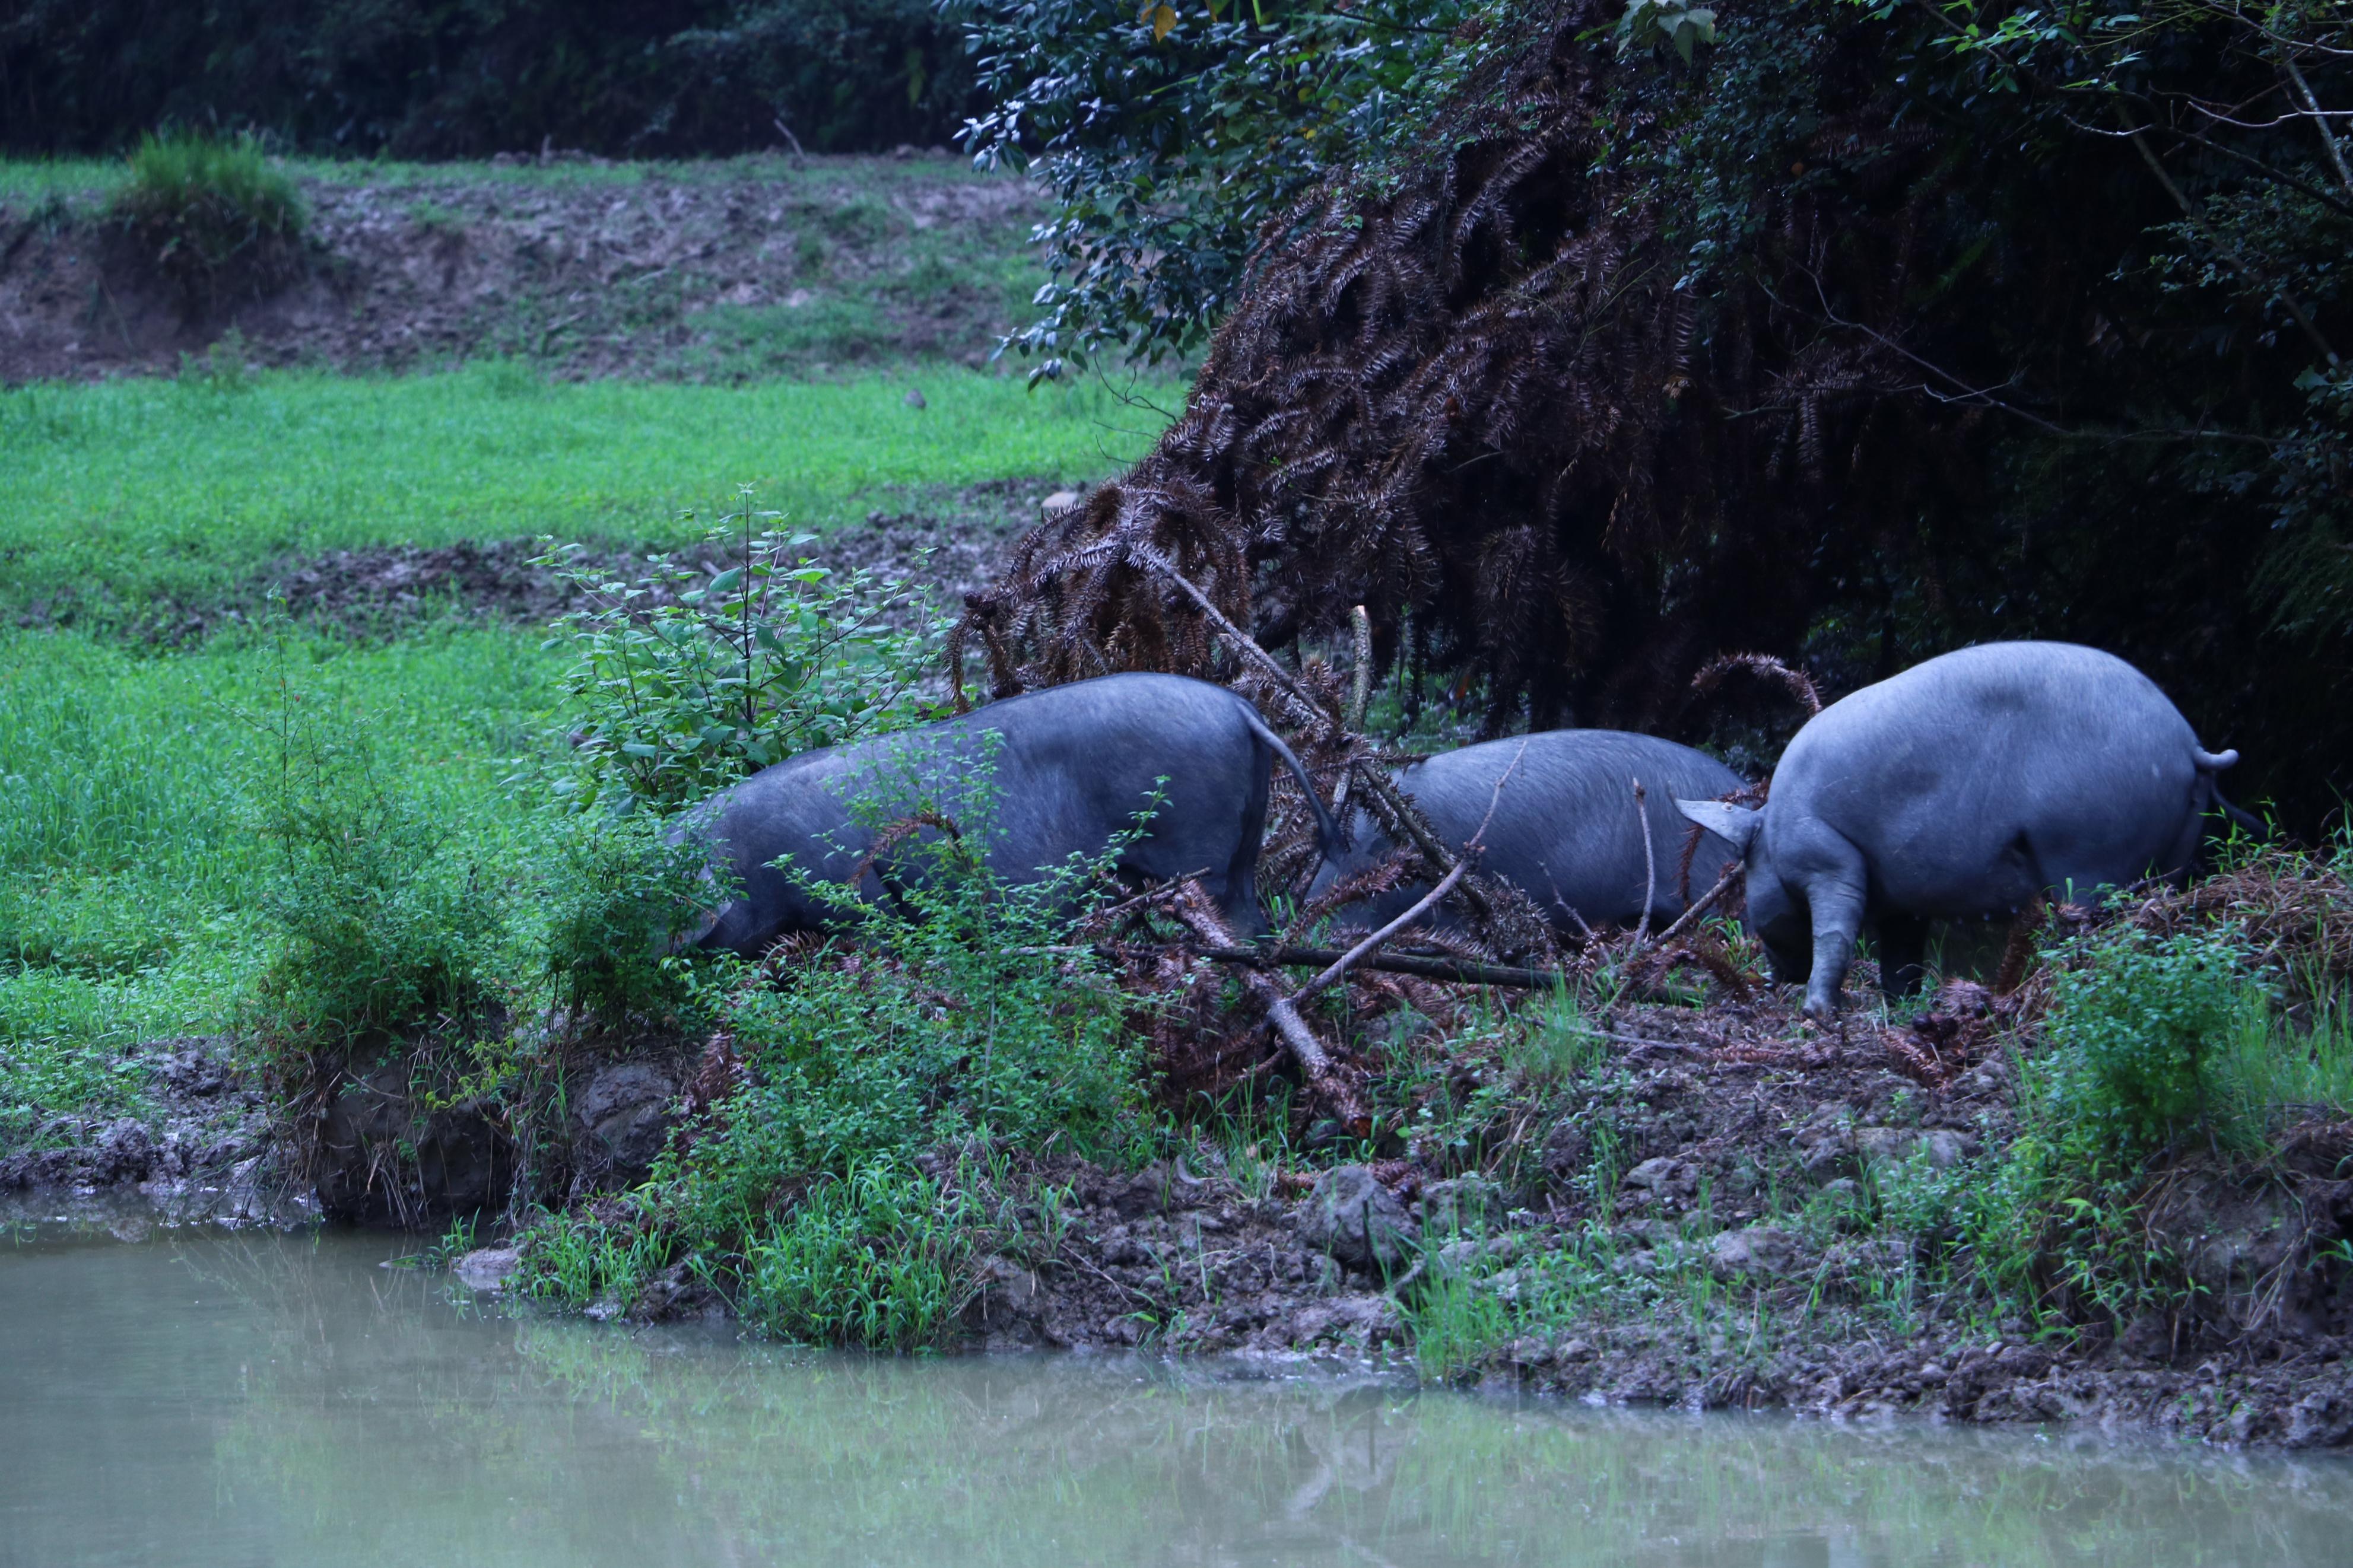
[[1774, 918]]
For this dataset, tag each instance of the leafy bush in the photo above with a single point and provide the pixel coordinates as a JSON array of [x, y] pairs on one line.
[[199, 203], [2143, 1020], [622, 897], [961, 1019], [381, 930], [686, 681], [1173, 134]]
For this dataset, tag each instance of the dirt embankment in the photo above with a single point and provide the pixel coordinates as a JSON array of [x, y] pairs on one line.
[[745, 268], [1709, 1215], [1735, 1258]]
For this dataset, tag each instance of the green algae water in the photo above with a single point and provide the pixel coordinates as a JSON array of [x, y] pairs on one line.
[[195, 1398]]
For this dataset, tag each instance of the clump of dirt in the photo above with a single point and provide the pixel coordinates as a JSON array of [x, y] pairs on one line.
[[1184, 1262], [207, 1149], [745, 268]]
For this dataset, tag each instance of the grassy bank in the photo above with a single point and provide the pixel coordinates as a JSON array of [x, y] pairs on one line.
[[134, 870], [134, 866], [732, 271], [126, 493]]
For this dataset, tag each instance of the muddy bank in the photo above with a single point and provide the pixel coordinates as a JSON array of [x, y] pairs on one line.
[[711, 271], [206, 1148], [1742, 1178]]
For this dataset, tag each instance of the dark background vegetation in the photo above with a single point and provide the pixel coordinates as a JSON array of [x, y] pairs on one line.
[[447, 79], [1629, 336]]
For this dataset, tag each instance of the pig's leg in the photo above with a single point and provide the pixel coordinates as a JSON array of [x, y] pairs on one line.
[[1903, 953], [1830, 870]]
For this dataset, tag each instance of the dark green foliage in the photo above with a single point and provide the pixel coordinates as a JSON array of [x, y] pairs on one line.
[[951, 1024], [200, 206], [2144, 1020], [623, 897], [1176, 137], [689, 680], [418, 78]]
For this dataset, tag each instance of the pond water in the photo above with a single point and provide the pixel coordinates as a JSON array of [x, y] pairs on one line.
[[198, 1398]]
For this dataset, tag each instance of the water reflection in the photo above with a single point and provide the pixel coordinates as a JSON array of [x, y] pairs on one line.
[[205, 1399]]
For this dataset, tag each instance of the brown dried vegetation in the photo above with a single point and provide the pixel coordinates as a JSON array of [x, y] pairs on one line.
[[1483, 406]]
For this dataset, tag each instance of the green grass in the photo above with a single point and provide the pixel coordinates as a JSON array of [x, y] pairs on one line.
[[130, 864], [125, 493], [37, 177]]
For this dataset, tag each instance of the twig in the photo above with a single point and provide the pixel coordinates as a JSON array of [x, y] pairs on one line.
[[1365, 949], [1243, 641], [801, 159], [1460, 972], [2319, 121], [1417, 828], [1360, 696], [1150, 895], [2223, 248], [1682, 921], [1650, 873], [1427, 900], [1360, 678], [1193, 906]]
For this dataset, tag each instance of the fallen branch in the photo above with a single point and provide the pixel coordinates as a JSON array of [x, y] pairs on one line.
[[1306, 710], [1427, 900], [1460, 972], [1193, 908]]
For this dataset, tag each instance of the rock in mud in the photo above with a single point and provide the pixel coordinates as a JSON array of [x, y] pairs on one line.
[[486, 1269], [1464, 1205], [1663, 1177], [1358, 1221], [1763, 1252], [627, 1112]]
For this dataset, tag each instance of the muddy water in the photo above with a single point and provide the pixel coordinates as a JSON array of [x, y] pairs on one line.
[[195, 1398]]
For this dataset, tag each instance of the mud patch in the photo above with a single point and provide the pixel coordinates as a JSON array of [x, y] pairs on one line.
[[205, 1149]]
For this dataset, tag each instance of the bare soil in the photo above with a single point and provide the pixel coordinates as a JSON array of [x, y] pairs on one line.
[[747, 269], [1727, 1108], [1715, 1114]]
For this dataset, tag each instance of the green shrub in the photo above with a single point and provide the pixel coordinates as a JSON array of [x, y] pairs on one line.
[[961, 1019], [687, 681], [622, 897], [199, 203], [2142, 1020], [381, 930]]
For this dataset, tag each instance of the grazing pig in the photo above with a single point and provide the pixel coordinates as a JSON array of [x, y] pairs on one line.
[[1071, 767], [1565, 831], [1964, 787]]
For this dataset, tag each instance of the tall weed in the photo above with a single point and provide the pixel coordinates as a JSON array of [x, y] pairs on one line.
[[200, 203], [684, 682], [380, 929]]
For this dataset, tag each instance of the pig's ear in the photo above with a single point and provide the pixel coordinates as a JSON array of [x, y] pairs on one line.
[[1735, 824]]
